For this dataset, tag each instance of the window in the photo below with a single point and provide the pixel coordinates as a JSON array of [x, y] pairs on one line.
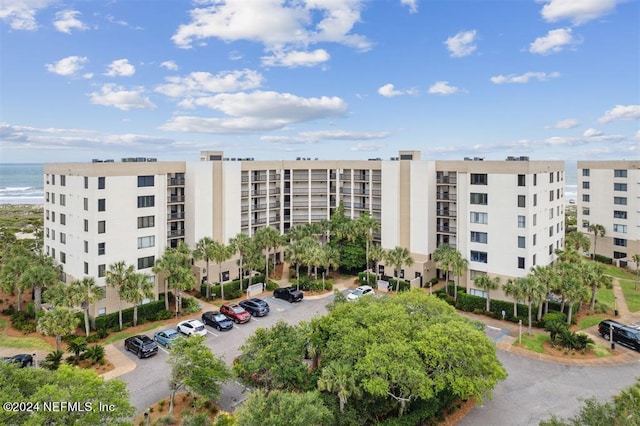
[[478, 217], [585, 172], [535, 239], [585, 211], [533, 261], [63, 199], [535, 219], [146, 222], [46, 232], [86, 225], [86, 247], [619, 214], [620, 201], [479, 293], [551, 195], [146, 201], [558, 176], [558, 193], [145, 262], [585, 223], [620, 173], [585, 185], [53, 234], [63, 257], [86, 204], [144, 242], [520, 262], [620, 242], [101, 270], [101, 182], [522, 181], [522, 242], [478, 198], [102, 312], [619, 254], [479, 237], [551, 231], [102, 226], [585, 198], [53, 179], [473, 273], [101, 204], [478, 256], [522, 201], [53, 253], [535, 200], [478, 179], [551, 177], [53, 198], [63, 238], [63, 180], [46, 214], [86, 268], [86, 186], [550, 213], [522, 221], [145, 181], [620, 187], [47, 196], [620, 228], [550, 248], [63, 219], [101, 248], [535, 179], [53, 216]]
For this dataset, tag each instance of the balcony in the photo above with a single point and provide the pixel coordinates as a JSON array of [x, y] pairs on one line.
[[175, 233], [447, 229], [446, 180], [258, 192], [300, 191], [446, 213], [319, 176], [175, 216], [445, 196], [172, 199], [175, 181]]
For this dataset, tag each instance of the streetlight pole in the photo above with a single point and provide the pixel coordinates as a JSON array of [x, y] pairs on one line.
[[613, 344], [615, 305], [520, 331]]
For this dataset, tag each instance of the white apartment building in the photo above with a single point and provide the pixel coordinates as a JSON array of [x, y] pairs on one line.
[[609, 195], [503, 216]]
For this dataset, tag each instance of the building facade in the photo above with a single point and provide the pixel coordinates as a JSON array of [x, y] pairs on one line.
[[609, 195], [503, 216]]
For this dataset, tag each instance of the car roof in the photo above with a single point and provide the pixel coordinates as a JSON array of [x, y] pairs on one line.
[[365, 287], [231, 305]]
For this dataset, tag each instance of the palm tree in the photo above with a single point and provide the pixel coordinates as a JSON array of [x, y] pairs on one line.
[[254, 261], [377, 254], [443, 256], [578, 241], [511, 288], [331, 258], [293, 254], [59, 295], [12, 271], [337, 378], [398, 257], [313, 255], [548, 276], [175, 266], [58, 322], [204, 251], [593, 276], [636, 260], [484, 282], [220, 253], [242, 243], [597, 230], [84, 292], [268, 238], [367, 225], [575, 292], [135, 290], [533, 291], [76, 346], [40, 275], [458, 265], [116, 276]]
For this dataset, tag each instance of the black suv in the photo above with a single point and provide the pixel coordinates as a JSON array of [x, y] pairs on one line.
[[622, 334], [256, 307], [288, 293], [21, 360], [142, 345]]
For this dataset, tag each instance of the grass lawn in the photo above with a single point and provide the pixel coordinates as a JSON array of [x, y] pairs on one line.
[[590, 321], [3, 324], [631, 296], [604, 295], [601, 351], [534, 342], [124, 334], [24, 343], [619, 272]]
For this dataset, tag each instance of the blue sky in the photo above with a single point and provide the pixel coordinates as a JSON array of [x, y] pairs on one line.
[[328, 79]]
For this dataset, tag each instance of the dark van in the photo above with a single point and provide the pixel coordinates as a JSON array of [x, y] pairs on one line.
[[622, 334]]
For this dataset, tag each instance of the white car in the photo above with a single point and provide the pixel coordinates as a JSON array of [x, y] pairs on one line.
[[363, 290], [192, 327]]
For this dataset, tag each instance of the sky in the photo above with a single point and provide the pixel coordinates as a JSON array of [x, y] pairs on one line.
[[327, 79]]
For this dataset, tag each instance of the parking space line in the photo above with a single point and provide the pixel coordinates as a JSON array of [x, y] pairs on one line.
[[163, 349]]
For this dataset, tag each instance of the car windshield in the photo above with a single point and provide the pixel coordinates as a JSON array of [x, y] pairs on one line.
[[199, 327], [357, 292], [171, 334], [237, 309], [220, 317]]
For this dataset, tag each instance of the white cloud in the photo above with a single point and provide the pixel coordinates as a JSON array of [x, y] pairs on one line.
[[637, 136], [67, 20], [367, 146], [523, 78], [119, 97], [197, 84], [590, 136], [296, 58], [442, 88], [577, 11], [621, 112], [389, 91], [69, 66], [21, 14], [169, 65], [589, 133], [555, 41], [462, 44], [323, 135], [412, 4], [120, 68], [256, 111], [274, 23], [568, 123]]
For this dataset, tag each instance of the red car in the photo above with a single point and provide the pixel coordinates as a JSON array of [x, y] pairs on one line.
[[235, 312]]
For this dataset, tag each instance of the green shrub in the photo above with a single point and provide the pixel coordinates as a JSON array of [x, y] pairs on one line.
[[52, 360], [146, 312], [95, 353], [31, 310], [189, 305], [370, 279], [271, 286], [21, 322], [164, 315], [553, 316], [328, 285], [603, 259], [102, 333]]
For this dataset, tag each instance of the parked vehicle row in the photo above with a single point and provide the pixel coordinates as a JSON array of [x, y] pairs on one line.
[[623, 334]]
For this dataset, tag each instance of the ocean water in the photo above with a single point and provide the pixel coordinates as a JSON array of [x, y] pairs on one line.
[[21, 183]]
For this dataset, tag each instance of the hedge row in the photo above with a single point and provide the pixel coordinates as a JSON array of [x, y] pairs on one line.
[[148, 311], [373, 281], [232, 288]]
